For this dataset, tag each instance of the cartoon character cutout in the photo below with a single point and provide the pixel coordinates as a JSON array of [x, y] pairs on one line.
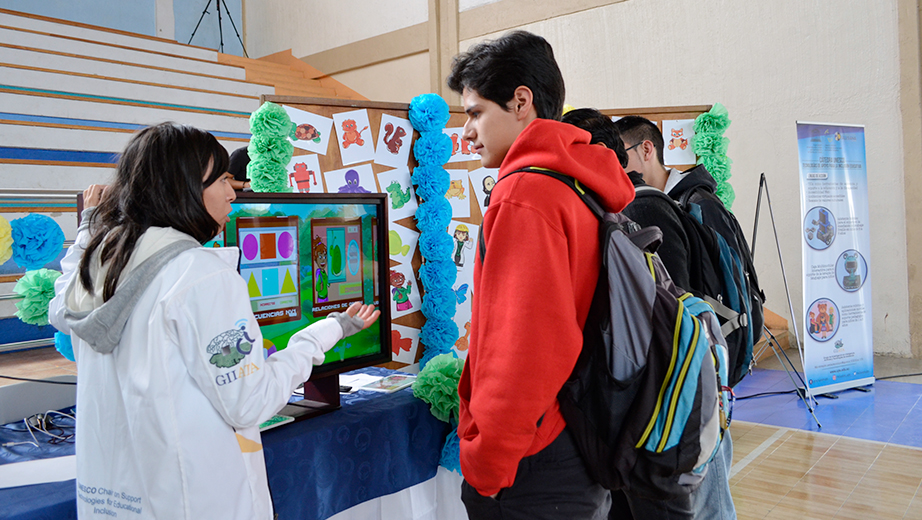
[[400, 293], [399, 198], [393, 142], [352, 183], [462, 241], [457, 143], [351, 135], [321, 278], [463, 342], [677, 140], [488, 183], [306, 132], [455, 189], [399, 342], [301, 178]]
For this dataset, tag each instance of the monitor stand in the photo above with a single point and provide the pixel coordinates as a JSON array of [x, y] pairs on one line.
[[321, 395]]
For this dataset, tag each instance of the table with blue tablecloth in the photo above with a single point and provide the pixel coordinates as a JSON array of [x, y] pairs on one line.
[[377, 444]]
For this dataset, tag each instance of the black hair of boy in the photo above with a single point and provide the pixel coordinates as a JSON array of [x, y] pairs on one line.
[[636, 129], [495, 68], [601, 127]]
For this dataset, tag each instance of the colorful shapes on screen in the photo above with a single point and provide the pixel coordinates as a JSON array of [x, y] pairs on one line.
[[267, 246], [253, 287], [250, 247], [336, 259], [270, 280], [288, 285], [286, 245], [353, 258]]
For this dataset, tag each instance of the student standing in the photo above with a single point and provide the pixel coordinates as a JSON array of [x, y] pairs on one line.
[[532, 288]]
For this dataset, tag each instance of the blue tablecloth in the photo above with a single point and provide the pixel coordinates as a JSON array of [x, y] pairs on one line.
[[376, 444]]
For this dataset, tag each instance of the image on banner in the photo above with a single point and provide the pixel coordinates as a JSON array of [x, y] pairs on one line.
[[820, 228], [851, 270]]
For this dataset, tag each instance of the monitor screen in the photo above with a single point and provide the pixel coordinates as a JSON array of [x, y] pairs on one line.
[[304, 256]]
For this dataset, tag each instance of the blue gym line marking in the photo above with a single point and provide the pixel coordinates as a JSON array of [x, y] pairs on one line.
[[43, 154], [124, 100], [99, 124]]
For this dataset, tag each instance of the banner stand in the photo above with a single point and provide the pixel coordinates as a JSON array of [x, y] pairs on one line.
[[804, 392]]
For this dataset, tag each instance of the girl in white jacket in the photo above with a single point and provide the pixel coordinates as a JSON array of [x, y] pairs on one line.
[[172, 380]]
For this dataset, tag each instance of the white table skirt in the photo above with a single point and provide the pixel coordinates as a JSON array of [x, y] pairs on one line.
[[438, 498]]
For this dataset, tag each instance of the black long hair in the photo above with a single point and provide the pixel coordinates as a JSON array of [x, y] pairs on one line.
[[158, 182]]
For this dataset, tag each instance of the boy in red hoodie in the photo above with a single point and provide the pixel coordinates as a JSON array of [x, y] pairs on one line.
[[533, 286]]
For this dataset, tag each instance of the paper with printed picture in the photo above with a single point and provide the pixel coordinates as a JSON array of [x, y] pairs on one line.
[[460, 149], [402, 242], [464, 236], [404, 290], [401, 195], [354, 179], [304, 175], [395, 138], [404, 343], [458, 193], [313, 131], [677, 134], [482, 182], [353, 136]]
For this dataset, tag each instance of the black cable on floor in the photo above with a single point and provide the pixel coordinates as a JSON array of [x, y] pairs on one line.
[[38, 380], [763, 394]]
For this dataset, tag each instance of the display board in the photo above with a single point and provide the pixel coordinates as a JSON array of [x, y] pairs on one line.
[[347, 146]]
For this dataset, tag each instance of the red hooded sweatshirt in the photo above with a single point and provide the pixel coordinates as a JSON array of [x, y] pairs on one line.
[[531, 297]]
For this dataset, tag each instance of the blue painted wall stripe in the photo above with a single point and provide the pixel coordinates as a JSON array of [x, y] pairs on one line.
[[42, 154], [98, 124], [124, 100]]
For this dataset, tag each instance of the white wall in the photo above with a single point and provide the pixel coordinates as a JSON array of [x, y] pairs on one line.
[[770, 63], [311, 26]]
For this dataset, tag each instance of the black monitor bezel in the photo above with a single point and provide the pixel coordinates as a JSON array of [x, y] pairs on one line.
[[384, 355]]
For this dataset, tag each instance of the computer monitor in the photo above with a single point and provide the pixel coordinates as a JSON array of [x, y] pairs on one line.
[[304, 256]]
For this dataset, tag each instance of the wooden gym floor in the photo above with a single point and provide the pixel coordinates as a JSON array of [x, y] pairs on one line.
[[864, 463]]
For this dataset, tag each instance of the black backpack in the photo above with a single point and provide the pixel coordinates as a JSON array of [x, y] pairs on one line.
[[646, 402], [720, 272]]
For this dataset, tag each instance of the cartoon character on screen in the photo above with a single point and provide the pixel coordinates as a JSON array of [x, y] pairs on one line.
[[352, 183], [321, 280], [462, 241], [399, 198], [488, 183], [351, 135], [401, 294]]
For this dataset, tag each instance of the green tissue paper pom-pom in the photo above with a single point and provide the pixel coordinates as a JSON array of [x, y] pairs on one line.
[[726, 194], [437, 384], [37, 290], [271, 120], [268, 176], [709, 144], [277, 150], [718, 166], [715, 120]]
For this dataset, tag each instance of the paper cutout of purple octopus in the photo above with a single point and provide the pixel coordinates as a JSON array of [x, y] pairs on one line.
[[352, 183]]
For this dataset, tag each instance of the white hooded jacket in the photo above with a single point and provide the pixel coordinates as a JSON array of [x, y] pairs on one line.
[[168, 406]]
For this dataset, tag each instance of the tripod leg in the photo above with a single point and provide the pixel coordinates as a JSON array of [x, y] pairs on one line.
[[231, 18], [204, 12]]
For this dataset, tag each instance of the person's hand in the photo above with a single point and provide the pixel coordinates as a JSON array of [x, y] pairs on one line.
[[366, 313], [93, 194]]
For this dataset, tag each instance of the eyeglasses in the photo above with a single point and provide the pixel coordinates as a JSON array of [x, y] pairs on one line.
[[631, 148]]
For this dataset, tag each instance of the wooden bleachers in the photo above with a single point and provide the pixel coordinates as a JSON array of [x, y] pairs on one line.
[[72, 94]]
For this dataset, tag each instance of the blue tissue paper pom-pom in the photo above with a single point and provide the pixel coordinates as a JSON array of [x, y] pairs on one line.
[[63, 345], [434, 215], [37, 240], [431, 181], [451, 453], [436, 245], [432, 148], [439, 304], [433, 352], [438, 335], [438, 274], [428, 113]]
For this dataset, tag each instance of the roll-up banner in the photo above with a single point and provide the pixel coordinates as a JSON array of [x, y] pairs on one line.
[[838, 342]]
